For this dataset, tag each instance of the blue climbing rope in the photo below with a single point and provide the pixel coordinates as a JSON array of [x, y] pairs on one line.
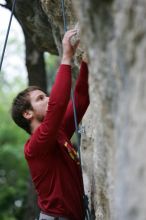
[[7, 34], [85, 197]]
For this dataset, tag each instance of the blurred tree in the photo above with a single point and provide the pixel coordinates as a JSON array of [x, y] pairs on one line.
[[51, 64], [35, 64], [17, 196], [13, 169], [17, 199]]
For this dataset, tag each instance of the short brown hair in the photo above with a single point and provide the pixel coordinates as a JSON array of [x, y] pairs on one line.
[[20, 104]]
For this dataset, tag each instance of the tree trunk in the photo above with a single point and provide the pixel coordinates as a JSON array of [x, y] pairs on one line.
[[113, 147], [35, 65]]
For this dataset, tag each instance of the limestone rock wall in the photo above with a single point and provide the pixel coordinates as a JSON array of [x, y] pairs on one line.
[[54, 12], [115, 36]]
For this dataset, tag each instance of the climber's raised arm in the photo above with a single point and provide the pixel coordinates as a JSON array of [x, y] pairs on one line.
[[81, 98]]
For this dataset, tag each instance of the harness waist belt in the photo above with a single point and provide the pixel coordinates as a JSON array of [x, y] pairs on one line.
[[48, 217]]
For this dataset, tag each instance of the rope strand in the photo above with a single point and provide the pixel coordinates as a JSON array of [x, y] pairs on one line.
[[7, 34], [64, 17], [72, 94]]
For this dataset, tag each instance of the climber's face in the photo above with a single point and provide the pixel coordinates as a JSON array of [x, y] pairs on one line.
[[39, 102]]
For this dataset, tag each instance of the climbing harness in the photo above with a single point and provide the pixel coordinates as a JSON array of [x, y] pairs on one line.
[[78, 130], [7, 34]]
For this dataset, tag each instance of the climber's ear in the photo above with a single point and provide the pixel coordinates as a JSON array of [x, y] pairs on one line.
[[28, 114]]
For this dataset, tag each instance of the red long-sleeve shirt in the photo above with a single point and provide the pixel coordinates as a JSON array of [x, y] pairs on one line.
[[55, 173]]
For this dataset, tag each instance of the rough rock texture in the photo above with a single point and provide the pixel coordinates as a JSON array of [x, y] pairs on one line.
[[54, 12], [116, 45], [131, 116], [103, 91], [114, 144]]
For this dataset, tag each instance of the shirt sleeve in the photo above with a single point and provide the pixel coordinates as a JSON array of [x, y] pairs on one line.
[[43, 139], [81, 98]]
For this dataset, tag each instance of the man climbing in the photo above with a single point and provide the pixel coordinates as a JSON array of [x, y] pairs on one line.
[[52, 159]]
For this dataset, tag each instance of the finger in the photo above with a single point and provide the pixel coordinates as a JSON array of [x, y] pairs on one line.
[[70, 33], [71, 30], [68, 38]]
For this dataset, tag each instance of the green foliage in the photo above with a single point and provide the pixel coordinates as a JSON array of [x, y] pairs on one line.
[[52, 64], [13, 168], [13, 181], [9, 132]]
